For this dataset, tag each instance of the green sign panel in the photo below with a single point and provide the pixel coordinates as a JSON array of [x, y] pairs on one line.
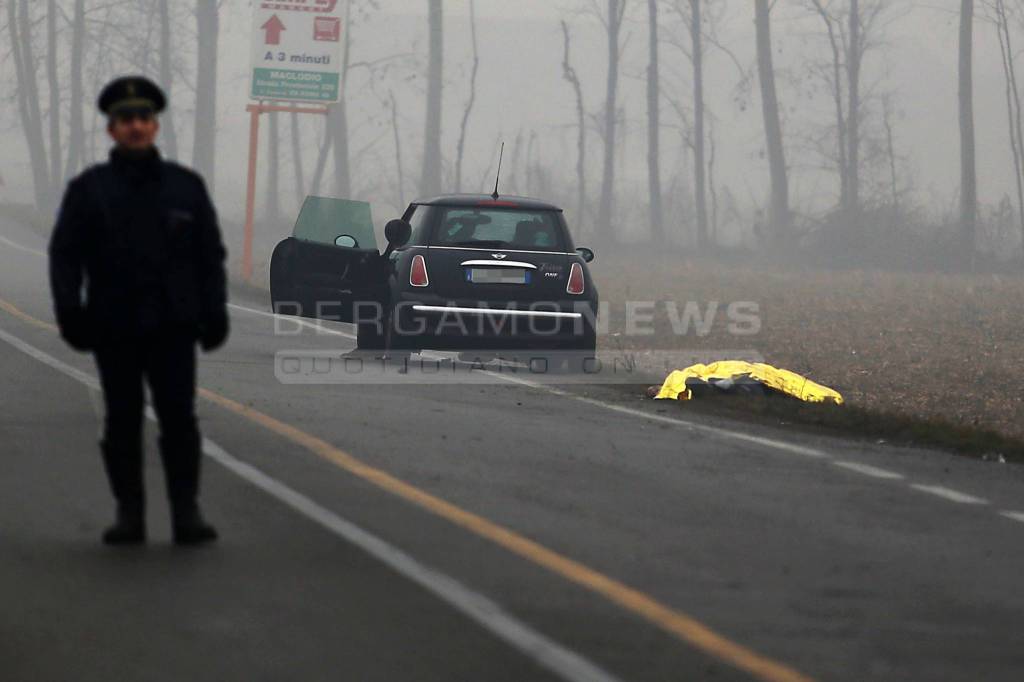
[[306, 86]]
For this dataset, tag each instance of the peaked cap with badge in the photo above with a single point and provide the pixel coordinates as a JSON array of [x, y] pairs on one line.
[[132, 93]]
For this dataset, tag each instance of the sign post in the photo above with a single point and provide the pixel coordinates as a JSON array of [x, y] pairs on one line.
[[296, 58]]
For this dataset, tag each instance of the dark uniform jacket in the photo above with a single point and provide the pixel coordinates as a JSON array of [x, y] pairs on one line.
[[144, 235]]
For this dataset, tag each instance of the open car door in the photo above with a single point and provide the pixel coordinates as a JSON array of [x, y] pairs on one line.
[[330, 262]]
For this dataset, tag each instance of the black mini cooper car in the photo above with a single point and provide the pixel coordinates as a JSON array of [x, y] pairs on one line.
[[460, 273]]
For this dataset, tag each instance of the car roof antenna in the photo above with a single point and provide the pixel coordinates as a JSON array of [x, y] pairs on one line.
[[501, 155]]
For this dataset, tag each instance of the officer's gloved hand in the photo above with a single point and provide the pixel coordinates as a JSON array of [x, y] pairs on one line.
[[214, 331], [75, 329]]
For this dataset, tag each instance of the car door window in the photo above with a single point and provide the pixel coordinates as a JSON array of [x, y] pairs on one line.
[[323, 220]]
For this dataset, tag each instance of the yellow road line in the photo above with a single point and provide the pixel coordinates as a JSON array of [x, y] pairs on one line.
[[668, 619], [11, 309]]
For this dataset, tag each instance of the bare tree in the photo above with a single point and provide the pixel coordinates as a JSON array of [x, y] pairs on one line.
[[53, 80], [1000, 18], [399, 167], [890, 149], [321, 159], [779, 216], [612, 21], [170, 133], [273, 198], [851, 30], [838, 50], [19, 26], [297, 163], [472, 98], [338, 119], [654, 125], [700, 169], [205, 140], [854, 58], [569, 73], [430, 180], [968, 169], [76, 125]]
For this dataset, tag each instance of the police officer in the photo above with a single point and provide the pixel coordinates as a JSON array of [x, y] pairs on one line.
[[143, 234]]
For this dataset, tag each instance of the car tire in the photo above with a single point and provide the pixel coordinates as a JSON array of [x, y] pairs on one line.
[[580, 358], [371, 336]]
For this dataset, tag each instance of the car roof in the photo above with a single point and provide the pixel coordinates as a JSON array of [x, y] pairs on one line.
[[476, 200]]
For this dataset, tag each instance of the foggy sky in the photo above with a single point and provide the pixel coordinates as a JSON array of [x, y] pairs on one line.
[[521, 88]]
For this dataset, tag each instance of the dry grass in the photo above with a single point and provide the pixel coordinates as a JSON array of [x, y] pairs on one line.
[[930, 346]]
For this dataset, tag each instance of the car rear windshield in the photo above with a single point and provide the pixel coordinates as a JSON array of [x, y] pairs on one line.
[[495, 228]]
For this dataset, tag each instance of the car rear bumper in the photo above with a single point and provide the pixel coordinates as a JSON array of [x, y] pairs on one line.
[[455, 325]]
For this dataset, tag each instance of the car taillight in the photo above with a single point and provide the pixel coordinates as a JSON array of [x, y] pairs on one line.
[[576, 284], [418, 275]]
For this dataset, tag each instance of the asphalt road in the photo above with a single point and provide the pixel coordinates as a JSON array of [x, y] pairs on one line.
[[485, 530]]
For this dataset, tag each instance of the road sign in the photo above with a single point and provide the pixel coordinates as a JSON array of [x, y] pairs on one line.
[[296, 50]]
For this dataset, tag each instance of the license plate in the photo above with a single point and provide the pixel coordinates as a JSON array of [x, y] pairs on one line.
[[498, 276]]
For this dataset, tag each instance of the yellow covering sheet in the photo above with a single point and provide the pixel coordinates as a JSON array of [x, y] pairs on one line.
[[782, 380]]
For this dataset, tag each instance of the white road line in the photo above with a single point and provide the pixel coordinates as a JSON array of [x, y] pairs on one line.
[[949, 494], [318, 326], [488, 614], [868, 470], [315, 326], [25, 249], [1016, 516], [704, 428], [727, 433]]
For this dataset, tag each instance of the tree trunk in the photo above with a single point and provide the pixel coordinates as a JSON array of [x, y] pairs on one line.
[[968, 169], [76, 124], [607, 200], [779, 216], [712, 189], [430, 181], [569, 74], [699, 162], [654, 126], [890, 147], [321, 160], [53, 81], [169, 132], [853, 62], [20, 27], [837, 98], [273, 198], [1012, 106], [399, 167], [472, 99], [300, 171], [338, 120], [204, 146]]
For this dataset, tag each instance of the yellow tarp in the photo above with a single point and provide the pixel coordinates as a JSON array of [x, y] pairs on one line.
[[781, 380]]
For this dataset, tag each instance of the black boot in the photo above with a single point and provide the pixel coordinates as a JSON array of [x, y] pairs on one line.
[[189, 526], [129, 529], [123, 461]]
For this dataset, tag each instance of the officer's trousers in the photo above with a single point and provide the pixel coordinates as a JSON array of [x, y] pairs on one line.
[[166, 361]]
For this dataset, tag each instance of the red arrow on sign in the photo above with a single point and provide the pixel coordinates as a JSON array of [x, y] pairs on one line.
[[273, 27]]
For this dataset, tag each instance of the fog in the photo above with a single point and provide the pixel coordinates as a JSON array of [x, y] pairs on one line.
[[908, 84]]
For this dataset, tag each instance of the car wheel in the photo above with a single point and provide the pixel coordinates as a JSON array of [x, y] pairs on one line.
[[580, 358], [371, 336]]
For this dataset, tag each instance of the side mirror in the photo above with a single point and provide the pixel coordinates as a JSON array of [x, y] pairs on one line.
[[398, 233], [586, 254], [347, 241]]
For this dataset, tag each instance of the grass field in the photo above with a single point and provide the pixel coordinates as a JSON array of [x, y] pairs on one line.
[[933, 346]]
